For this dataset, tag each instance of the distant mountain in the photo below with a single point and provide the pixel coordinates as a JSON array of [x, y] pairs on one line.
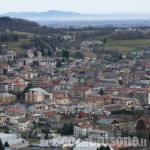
[[55, 15], [52, 13]]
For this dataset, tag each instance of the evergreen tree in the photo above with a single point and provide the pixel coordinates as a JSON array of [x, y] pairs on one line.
[[29, 86], [104, 41], [58, 63], [141, 126], [65, 54], [24, 62], [101, 92], [102, 147], [71, 128], [107, 148], [6, 144], [120, 81], [79, 55], [5, 71], [1, 145], [66, 129], [49, 53], [120, 57]]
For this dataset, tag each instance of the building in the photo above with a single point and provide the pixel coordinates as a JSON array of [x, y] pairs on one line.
[[61, 97], [100, 101], [2, 118], [80, 92], [24, 124], [7, 99], [82, 129], [15, 84], [37, 108], [13, 114], [51, 116], [107, 124], [35, 95]]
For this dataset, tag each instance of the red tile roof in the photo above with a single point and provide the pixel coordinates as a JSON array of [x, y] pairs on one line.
[[85, 125], [84, 89], [50, 114], [10, 80], [15, 110], [47, 85]]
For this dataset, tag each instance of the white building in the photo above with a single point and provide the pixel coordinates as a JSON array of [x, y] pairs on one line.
[[82, 129]]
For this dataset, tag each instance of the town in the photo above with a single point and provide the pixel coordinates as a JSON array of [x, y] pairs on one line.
[[56, 91]]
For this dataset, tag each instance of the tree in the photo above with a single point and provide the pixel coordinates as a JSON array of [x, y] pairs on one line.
[[1, 145], [79, 55], [46, 131], [71, 128], [29, 86], [49, 53], [66, 129], [58, 63], [120, 57], [107, 148], [5, 71], [101, 92], [102, 147], [6, 144], [141, 126], [65, 54], [120, 81], [24, 62], [20, 95], [104, 41]]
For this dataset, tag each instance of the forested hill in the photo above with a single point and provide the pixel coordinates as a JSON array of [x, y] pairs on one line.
[[21, 25]]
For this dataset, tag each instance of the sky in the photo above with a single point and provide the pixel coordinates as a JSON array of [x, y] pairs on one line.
[[81, 6]]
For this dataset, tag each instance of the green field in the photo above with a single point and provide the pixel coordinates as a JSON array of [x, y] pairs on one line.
[[126, 45], [16, 46]]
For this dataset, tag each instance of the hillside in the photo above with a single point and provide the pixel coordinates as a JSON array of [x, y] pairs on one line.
[[21, 25]]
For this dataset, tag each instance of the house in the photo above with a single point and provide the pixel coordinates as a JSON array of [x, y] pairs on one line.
[[7, 99], [36, 81], [49, 87], [2, 118], [112, 107], [107, 124], [51, 116], [13, 114], [30, 53], [61, 97], [10, 55], [14, 84], [36, 108], [24, 124], [82, 129], [106, 82], [99, 101], [35, 95], [96, 134], [80, 92]]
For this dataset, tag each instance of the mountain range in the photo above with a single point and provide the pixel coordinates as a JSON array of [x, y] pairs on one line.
[[55, 15]]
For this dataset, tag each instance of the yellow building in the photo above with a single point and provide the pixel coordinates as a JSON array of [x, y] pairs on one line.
[[24, 124], [7, 99], [37, 95]]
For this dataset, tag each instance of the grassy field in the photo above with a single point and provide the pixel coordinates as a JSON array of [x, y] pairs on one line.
[[126, 45], [16, 46]]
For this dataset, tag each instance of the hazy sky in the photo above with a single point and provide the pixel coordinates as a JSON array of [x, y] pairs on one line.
[[81, 6]]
